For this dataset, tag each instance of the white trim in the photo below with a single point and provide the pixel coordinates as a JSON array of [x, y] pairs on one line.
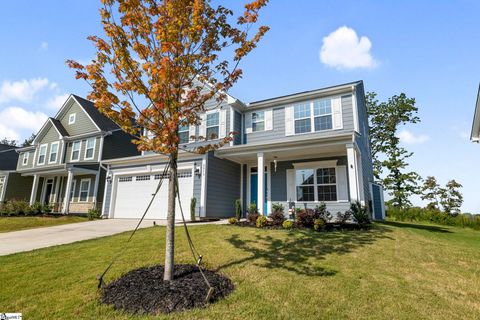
[[352, 173], [356, 124], [203, 187], [26, 156], [113, 196], [39, 154], [260, 183], [68, 192], [269, 189], [315, 164], [73, 149], [33, 194], [56, 143], [232, 124], [4, 186], [72, 117], [86, 148], [62, 150], [80, 189]]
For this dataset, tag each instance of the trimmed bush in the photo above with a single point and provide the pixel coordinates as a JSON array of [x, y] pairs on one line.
[[261, 221], [232, 220], [305, 218], [319, 224], [287, 224], [93, 214]]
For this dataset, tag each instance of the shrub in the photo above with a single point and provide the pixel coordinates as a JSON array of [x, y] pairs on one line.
[[93, 214], [287, 224], [252, 218], [252, 208], [360, 213], [321, 212], [305, 218], [46, 209], [37, 208], [238, 209], [319, 224], [16, 208], [277, 216], [261, 221], [344, 217], [193, 204], [232, 220]]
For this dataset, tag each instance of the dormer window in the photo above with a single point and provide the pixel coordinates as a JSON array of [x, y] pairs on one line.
[[71, 118]]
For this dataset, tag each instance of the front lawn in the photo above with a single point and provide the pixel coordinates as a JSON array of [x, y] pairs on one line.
[[8, 224], [393, 271]]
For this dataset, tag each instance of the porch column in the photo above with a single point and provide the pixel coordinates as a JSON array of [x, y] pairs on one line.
[[33, 195], [261, 183], [68, 190], [352, 173]]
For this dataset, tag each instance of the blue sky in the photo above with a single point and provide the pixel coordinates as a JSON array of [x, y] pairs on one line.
[[428, 49]]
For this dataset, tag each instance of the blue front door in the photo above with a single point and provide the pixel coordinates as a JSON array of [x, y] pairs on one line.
[[254, 188]]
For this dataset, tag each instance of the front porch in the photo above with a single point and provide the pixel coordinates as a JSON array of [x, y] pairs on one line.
[[300, 174], [72, 190]]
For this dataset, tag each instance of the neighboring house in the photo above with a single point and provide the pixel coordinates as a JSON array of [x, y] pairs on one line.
[[64, 160], [301, 149], [12, 185], [475, 135]]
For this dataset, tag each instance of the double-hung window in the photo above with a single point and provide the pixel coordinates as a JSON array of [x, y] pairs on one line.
[[84, 190], [25, 158], [53, 153], [322, 113], [183, 133], [316, 184], [90, 148], [213, 128], [258, 121], [302, 116], [76, 145], [42, 153]]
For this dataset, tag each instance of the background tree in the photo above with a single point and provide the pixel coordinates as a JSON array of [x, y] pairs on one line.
[[8, 142], [389, 158], [431, 193], [451, 198], [28, 142], [159, 63]]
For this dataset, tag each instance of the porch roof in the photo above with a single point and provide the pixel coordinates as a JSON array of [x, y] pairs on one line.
[[59, 170], [288, 149]]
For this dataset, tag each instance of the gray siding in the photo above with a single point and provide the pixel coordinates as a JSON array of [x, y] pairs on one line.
[[76, 192], [82, 124], [118, 145], [50, 137], [377, 202], [197, 194], [29, 164], [18, 187], [108, 198], [278, 132], [223, 187]]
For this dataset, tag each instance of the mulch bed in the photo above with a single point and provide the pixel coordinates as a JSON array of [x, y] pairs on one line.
[[328, 227], [143, 291]]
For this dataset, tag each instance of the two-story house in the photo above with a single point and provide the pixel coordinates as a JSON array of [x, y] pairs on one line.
[[12, 185], [64, 160], [300, 149]]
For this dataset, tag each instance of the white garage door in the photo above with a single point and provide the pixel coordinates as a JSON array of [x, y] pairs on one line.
[[134, 193]]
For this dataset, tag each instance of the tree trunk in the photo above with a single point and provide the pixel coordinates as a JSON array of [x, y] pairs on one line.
[[170, 237]]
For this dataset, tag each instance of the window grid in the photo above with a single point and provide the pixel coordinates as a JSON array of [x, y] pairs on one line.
[[53, 153], [42, 154], [142, 178], [316, 185], [84, 190], [183, 134], [313, 116], [25, 158], [213, 127], [125, 179], [90, 148], [302, 116], [76, 150], [258, 121]]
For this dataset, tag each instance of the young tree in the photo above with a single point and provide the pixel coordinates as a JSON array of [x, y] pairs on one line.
[[171, 53], [389, 158], [431, 192], [451, 198], [28, 142]]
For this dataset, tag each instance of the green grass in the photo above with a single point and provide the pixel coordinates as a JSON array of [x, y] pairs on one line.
[[394, 271], [8, 224]]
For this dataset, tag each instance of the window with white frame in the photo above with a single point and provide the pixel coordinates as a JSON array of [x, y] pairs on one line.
[[316, 184], [258, 121], [42, 153], [53, 153], [90, 148], [302, 118], [322, 114], [76, 150], [25, 158], [213, 128], [183, 133], [84, 190], [71, 118]]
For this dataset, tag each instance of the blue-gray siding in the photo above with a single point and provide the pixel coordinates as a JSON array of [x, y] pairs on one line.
[[223, 187], [237, 127], [377, 202]]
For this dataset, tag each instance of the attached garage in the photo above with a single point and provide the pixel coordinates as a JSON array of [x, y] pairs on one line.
[[129, 190]]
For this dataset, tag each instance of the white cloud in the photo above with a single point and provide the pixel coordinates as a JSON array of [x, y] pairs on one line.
[[408, 137], [23, 90], [342, 49], [56, 102], [44, 46], [16, 122]]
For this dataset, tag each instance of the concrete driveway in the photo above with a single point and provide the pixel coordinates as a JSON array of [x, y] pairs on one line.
[[31, 239]]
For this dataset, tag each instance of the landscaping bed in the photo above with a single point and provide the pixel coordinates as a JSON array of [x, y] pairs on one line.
[[329, 226], [143, 291]]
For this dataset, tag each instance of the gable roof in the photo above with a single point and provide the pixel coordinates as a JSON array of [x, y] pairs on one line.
[[475, 135], [60, 128], [8, 157], [103, 122]]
